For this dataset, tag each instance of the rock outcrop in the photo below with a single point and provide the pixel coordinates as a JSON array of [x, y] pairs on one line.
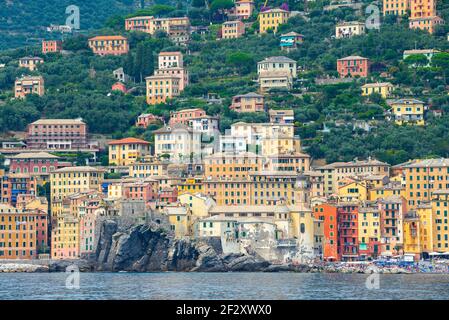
[[147, 247]]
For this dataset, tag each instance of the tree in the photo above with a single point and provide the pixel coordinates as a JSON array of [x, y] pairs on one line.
[[441, 60], [241, 61], [219, 5]]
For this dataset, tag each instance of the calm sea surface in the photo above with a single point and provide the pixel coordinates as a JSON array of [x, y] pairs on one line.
[[222, 286]]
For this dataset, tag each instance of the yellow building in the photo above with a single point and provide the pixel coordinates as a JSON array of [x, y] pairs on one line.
[[70, 180], [109, 45], [162, 87], [29, 85], [440, 208], [147, 169], [30, 63], [198, 203], [295, 162], [393, 189], [232, 165], [383, 88], [418, 231], [407, 111], [234, 191], [190, 185], [126, 151], [180, 219], [65, 238], [368, 224], [396, 7], [423, 178], [271, 19], [353, 192]]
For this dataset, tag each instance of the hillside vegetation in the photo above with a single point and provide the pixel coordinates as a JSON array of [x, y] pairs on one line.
[[79, 84]]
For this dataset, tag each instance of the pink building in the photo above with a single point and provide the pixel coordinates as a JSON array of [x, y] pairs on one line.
[[353, 66], [168, 195], [141, 190], [145, 119], [67, 134], [40, 163], [183, 116]]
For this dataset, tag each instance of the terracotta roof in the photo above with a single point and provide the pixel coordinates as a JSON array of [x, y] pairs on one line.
[[108, 38], [128, 141], [353, 58]]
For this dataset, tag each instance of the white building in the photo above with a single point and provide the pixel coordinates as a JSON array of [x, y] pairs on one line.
[[181, 143], [349, 29]]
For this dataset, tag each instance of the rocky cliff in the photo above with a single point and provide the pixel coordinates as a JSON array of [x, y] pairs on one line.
[[146, 247]]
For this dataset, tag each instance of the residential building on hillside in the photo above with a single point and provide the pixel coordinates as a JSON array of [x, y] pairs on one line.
[[126, 151], [353, 66], [66, 134], [178, 142], [281, 116], [49, 46], [109, 45], [29, 85], [184, 116], [407, 111], [232, 29], [243, 8], [396, 7], [30, 63], [249, 102], [349, 29], [383, 88], [162, 87], [271, 19], [290, 40]]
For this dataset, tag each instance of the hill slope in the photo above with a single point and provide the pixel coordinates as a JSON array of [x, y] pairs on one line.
[[25, 21]]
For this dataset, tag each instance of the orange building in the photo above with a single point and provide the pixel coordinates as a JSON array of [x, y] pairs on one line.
[[51, 46], [328, 214], [423, 15], [23, 234], [109, 45], [396, 7], [162, 87], [232, 29], [29, 85], [353, 66], [119, 86], [244, 8], [30, 63]]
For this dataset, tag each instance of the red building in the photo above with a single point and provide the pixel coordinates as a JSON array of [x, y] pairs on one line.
[[145, 119], [353, 66], [168, 195], [141, 190], [328, 214], [51, 46], [16, 184], [118, 86], [66, 134], [348, 244], [183, 116], [39, 163]]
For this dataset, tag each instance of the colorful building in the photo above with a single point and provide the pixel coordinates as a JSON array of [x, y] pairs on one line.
[[232, 29], [281, 116], [410, 111], [162, 87], [230, 165], [185, 115], [396, 7], [353, 66], [65, 134], [271, 19], [385, 89], [30, 63], [145, 119], [328, 215], [290, 40], [244, 8], [369, 230], [348, 235], [65, 237], [349, 29], [29, 85], [126, 151], [23, 233], [392, 211], [249, 102], [109, 45], [51, 46]]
